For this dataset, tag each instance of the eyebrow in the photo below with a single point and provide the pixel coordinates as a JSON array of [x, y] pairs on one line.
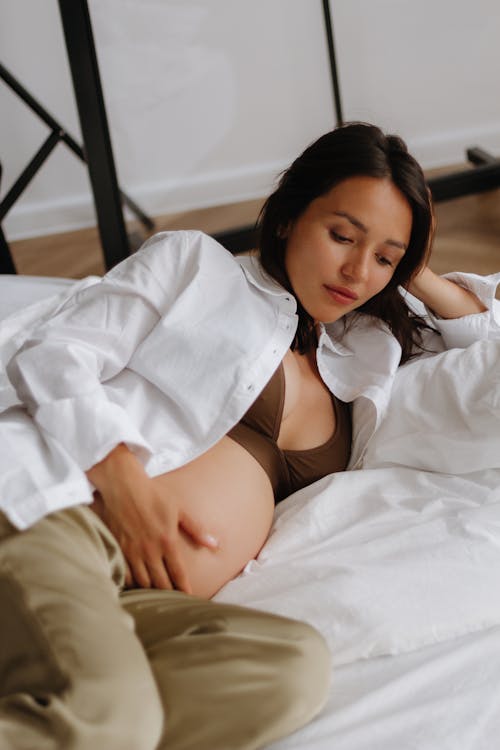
[[359, 225]]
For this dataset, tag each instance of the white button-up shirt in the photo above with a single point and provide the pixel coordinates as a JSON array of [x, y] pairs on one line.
[[166, 353]]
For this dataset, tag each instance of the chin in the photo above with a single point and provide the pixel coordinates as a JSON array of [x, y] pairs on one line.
[[328, 319]]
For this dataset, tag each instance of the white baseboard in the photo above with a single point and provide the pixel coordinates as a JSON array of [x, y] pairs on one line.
[[229, 186], [68, 214]]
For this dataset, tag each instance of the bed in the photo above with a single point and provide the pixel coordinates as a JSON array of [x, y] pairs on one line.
[[397, 564]]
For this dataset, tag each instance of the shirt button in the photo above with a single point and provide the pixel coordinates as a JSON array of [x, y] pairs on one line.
[[250, 387]]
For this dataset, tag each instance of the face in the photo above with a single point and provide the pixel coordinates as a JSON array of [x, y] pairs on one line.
[[346, 245]]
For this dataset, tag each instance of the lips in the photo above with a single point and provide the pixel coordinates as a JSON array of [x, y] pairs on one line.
[[342, 294]]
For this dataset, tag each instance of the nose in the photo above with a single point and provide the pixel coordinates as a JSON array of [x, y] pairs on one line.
[[355, 266]]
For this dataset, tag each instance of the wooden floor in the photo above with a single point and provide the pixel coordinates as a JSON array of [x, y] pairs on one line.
[[78, 254], [467, 239]]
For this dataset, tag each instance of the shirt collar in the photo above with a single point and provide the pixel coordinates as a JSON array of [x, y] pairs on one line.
[[329, 338], [257, 276]]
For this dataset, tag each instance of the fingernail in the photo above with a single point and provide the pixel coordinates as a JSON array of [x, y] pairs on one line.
[[211, 540]]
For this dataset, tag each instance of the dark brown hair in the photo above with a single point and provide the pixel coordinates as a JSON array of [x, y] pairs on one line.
[[353, 149]]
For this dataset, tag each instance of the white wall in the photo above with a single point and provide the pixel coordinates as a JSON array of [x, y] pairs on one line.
[[207, 100], [428, 69]]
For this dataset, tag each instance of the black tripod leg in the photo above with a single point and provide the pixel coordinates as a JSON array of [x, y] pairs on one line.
[[90, 102], [6, 262]]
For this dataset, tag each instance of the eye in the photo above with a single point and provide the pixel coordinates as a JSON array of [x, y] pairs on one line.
[[340, 237], [383, 261]]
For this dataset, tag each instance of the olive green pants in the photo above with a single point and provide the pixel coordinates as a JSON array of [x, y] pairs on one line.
[[85, 667]]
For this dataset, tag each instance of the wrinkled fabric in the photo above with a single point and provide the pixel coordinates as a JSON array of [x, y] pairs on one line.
[[165, 354]]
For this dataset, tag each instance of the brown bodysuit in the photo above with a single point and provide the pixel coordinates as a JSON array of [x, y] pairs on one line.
[[290, 470]]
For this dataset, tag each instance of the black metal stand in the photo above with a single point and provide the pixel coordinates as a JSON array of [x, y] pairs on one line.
[[90, 102], [484, 176], [328, 24], [6, 262], [108, 198], [98, 154], [486, 172]]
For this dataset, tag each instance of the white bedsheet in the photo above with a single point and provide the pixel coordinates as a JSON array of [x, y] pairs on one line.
[[17, 292], [444, 697], [382, 561]]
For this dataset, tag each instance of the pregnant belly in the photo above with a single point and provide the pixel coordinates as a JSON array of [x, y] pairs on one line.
[[227, 490]]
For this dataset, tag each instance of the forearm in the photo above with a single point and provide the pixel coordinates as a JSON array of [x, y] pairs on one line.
[[445, 298], [108, 476]]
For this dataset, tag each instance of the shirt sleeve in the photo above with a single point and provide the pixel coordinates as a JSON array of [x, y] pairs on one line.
[[461, 332], [59, 371]]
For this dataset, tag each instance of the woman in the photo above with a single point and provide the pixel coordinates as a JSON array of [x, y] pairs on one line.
[[350, 222], [194, 390]]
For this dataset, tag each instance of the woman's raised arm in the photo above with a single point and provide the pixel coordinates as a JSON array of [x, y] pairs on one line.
[[445, 298]]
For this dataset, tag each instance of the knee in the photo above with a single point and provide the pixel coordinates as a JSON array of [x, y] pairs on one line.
[[305, 673]]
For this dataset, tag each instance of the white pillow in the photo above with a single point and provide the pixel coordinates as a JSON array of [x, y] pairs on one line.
[[17, 291], [444, 413]]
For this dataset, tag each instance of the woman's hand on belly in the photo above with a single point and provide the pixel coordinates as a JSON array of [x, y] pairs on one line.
[[228, 491], [145, 523]]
